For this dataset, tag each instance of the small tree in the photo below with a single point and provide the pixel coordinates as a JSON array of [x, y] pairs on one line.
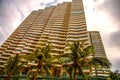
[[115, 75], [13, 67]]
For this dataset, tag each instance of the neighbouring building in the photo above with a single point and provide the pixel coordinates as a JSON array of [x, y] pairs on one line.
[[96, 41]]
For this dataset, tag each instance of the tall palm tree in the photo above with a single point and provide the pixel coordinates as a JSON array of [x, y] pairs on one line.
[[80, 57], [43, 57], [13, 66], [79, 53]]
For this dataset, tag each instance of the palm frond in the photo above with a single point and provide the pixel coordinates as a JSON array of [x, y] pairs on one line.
[[100, 61], [80, 71]]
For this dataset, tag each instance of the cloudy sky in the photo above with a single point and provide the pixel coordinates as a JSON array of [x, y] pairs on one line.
[[101, 15]]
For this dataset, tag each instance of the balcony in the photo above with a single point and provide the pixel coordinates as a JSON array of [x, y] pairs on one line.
[[3, 58], [9, 51], [6, 55]]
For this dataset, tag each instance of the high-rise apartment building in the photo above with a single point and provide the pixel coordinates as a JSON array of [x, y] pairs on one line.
[[57, 25], [96, 41]]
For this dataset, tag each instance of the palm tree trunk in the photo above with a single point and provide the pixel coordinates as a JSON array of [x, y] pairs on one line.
[[8, 77], [70, 76], [75, 74], [38, 67], [35, 76], [90, 70], [96, 73]]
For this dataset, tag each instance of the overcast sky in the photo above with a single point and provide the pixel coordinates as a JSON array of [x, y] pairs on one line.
[[101, 15]]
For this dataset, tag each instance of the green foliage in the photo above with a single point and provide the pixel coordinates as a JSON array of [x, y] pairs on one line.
[[13, 66], [100, 61], [42, 56], [115, 75], [81, 57]]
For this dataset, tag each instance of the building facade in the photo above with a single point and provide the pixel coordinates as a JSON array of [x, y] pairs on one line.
[[57, 25], [96, 41]]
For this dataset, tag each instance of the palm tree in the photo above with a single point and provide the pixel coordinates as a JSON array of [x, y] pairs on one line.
[[13, 66], [80, 57], [79, 53], [115, 75], [43, 57], [98, 62]]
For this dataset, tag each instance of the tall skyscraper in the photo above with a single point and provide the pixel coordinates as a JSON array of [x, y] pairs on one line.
[[57, 25]]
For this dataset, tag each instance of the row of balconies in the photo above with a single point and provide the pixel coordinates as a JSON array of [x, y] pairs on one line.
[[54, 27], [55, 23], [77, 27], [43, 39], [81, 21], [57, 50], [44, 36], [77, 30], [74, 7], [21, 31], [76, 22], [100, 51], [8, 51], [77, 13], [96, 44], [56, 41], [99, 48], [59, 32], [4, 46], [100, 55], [25, 52], [36, 28], [62, 36], [77, 36], [59, 39], [77, 16], [59, 13], [75, 39], [30, 32], [78, 33], [58, 46], [80, 24]]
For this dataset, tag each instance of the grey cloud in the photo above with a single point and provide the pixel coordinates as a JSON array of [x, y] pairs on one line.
[[112, 9], [115, 38], [50, 3], [10, 10], [55, 1], [2, 37], [116, 65]]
